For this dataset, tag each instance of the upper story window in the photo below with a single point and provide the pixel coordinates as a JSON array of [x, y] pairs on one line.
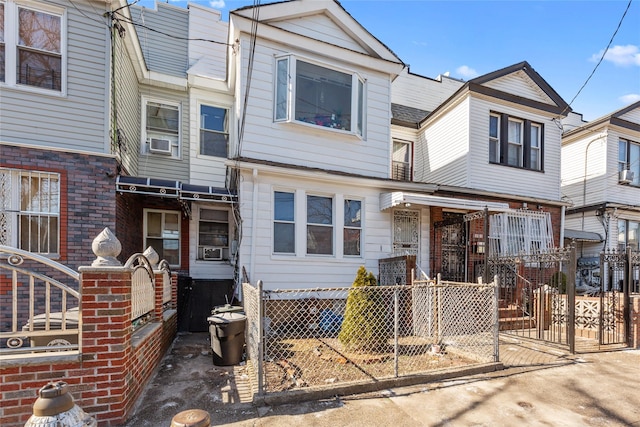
[[30, 210], [321, 96], [629, 159], [162, 233], [515, 142], [402, 160], [214, 131], [161, 128], [213, 235], [32, 47]]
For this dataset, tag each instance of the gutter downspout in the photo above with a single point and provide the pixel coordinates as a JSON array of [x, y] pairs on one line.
[[254, 223], [562, 213]]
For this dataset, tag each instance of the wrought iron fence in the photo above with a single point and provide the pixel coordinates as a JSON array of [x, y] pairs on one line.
[[325, 336]]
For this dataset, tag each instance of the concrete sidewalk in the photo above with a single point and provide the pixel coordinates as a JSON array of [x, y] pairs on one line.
[[540, 386]]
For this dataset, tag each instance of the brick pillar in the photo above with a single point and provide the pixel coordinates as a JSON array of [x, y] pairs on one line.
[[634, 339], [106, 331]]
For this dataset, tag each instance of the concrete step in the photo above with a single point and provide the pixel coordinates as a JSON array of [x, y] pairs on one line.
[[512, 323]]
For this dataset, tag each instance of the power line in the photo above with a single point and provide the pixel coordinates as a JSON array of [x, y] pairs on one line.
[[603, 55]]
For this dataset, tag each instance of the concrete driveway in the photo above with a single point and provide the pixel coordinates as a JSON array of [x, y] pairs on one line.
[[541, 386]]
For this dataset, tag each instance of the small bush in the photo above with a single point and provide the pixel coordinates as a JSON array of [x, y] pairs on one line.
[[559, 282], [364, 327]]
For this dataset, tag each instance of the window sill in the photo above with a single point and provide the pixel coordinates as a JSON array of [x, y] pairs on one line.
[[319, 128], [33, 89], [517, 167]]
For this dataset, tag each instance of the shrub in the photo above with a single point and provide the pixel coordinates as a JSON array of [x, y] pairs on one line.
[[559, 282], [364, 327]]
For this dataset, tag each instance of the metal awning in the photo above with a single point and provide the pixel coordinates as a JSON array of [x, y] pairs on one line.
[[150, 186], [400, 198], [203, 193], [582, 236], [173, 189]]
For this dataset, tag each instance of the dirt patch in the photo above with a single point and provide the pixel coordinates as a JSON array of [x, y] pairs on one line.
[[298, 363]]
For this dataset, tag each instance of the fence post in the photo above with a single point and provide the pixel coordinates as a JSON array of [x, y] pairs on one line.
[[628, 277], [261, 342], [571, 301], [396, 315], [496, 319]]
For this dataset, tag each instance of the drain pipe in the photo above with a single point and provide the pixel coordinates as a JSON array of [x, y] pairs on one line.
[[254, 223]]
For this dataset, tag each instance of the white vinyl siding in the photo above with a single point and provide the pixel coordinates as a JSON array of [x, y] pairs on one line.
[[314, 146], [520, 84]]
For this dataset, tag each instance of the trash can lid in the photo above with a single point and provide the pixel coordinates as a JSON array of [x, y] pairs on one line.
[[226, 317], [227, 308]]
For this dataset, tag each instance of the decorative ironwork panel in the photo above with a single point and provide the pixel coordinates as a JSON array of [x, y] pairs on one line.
[[406, 232]]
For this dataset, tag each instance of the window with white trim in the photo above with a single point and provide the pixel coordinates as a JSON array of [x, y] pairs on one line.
[[162, 233], [402, 160], [309, 93], [628, 234], [516, 142], [352, 227], [629, 158], [161, 128], [213, 235], [319, 225], [284, 225], [30, 210], [214, 131], [32, 46]]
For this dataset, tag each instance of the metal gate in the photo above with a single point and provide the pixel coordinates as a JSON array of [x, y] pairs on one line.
[[619, 273], [451, 240]]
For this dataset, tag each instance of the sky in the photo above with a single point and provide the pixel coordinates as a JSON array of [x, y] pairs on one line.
[[564, 41]]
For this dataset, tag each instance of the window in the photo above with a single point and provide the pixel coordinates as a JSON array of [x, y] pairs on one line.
[[494, 138], [162, 129], [520, 232], [213, 235], [628, 234], [401, 163], [30, 210], [31, 54], [352, 227], [515, 142], [284, 223], [214, 131], [629, 159], [310, 93], [319, 225], [162, 233]]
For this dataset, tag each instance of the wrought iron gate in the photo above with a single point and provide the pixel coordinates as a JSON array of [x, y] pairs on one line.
[[618, 270], [450, 251]]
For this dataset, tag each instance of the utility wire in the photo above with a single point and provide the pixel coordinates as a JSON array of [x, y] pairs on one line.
[[601, 57]]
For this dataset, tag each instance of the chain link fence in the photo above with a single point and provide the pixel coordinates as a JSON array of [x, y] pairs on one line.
[[324, 336]]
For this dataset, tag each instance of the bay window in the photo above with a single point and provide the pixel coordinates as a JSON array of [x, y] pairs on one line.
[[516, 142], [310, 93], [32, 46], [30, 210]]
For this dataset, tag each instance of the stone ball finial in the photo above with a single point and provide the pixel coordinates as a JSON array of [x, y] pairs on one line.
[[152, 256], [106, 247]]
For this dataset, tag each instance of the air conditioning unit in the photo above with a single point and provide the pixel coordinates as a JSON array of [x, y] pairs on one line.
[[625, 177], [161, 146], [211, 253]]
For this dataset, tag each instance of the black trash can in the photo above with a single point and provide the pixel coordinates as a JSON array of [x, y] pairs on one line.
[[226, 326]]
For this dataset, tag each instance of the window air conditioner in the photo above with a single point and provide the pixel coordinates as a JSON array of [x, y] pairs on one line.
[[211, 253], [625, 177], [162, 146]]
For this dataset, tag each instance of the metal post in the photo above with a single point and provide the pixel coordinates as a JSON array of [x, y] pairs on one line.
[[496, 320], [396, 328], [571, 302], [261, 343], [626, 285]]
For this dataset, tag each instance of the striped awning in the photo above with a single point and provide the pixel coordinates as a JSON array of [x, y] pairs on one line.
[[173, 189]]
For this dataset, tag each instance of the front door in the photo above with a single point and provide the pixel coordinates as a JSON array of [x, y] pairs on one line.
[[406, 232]]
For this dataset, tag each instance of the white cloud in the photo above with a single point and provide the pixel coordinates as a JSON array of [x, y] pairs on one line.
[[217, 4], [630, 98], [620, 55], [466, 72]]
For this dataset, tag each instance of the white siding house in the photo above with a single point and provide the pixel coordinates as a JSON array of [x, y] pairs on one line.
[[601, 177]]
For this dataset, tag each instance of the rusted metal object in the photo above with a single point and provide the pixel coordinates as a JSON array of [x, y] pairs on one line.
[[191, 418], [55, 408]]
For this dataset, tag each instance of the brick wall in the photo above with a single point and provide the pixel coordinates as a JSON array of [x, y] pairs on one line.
[[634, 339], [87, 194], [115, 364]]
